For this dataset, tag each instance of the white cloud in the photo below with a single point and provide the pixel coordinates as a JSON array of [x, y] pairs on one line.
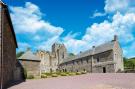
[[46, 45], [23, 45], [122, 23], [29, 19], [113, 6], [97, 14], [96, 34], [37, 38]]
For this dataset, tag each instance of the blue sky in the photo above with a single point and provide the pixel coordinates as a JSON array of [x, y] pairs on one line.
[[79, 24]]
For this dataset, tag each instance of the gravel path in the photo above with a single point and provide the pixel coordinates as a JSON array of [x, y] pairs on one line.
[[87, 81]]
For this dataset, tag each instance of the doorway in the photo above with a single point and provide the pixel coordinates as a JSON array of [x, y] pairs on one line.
[[104, 70]]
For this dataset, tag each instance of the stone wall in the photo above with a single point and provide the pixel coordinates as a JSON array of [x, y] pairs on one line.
[[0, 49], [82, 64], [45, 60], [9, 53], [103, 61], [118, 57], [98, 63], [51, 60], [32, 67]]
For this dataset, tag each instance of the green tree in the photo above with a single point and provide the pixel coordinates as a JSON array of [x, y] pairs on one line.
[[71, 54], [128, 63], [19, 54]]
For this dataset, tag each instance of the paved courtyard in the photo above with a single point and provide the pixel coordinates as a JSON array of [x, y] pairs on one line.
[[87, 81]]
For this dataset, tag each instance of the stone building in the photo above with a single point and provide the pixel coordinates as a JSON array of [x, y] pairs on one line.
[[31, 63], [104, 58], [8, 45], [51, 60]]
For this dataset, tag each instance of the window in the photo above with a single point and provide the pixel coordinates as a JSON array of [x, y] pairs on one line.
[[87, 60], [77, 62], [63, 55], [97, 59], [81, 61], [73, 62]]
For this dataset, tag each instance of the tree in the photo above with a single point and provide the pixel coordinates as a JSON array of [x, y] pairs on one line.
[[19, 54], [128, 63], [71, 54]]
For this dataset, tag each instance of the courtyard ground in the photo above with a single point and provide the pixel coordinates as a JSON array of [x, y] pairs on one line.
[[86, 81]]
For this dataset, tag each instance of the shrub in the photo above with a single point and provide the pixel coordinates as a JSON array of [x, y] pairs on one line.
[[58, 73], [72, 73], [43, 76], [63, 74], [78, 73], [83, 72], [54, 75], [48, 74], [30, 77], [25, 73]]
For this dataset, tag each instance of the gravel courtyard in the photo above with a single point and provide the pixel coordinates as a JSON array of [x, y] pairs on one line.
[[87, 81]]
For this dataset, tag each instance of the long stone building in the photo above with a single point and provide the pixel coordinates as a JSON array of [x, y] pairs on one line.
[[101, 59]]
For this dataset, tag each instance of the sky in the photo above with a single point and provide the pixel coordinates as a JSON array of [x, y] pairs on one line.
[[79, 24]]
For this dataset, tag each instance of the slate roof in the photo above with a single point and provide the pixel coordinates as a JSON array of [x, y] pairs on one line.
[[28, 55], [99, 49]]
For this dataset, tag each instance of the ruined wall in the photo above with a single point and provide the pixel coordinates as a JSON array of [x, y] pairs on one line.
[[45, 60], [62, 53]]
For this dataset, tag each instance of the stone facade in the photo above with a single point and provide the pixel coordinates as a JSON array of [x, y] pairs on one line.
[[101, 59], [7, 41], [31, 63], [51, 60], [32, 67]]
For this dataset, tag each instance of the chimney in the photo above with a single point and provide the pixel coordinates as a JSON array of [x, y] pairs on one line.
[[115, 37], [93, 49]]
